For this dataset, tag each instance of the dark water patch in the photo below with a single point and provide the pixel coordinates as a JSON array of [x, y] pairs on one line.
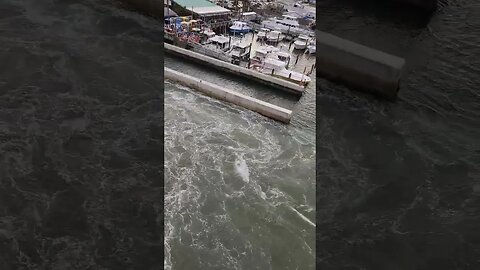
[[398, 13], [117, 161], [66, 215], [63, 115], [111, 26], [402, 176], [46, 179], [79, 144]]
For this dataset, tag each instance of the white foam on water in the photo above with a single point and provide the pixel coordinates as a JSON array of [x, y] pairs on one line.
[[241, 169], [201, 146], [302, 216]]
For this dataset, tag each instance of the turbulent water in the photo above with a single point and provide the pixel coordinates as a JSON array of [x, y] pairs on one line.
[[239, 186], [398, 184], [80, 137]]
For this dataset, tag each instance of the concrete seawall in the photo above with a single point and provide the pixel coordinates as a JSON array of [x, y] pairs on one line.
[[237, 70], [358, 66], [215, 91]]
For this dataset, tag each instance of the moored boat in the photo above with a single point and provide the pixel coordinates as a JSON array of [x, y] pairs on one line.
[[240, 27], [275, 36], [301, 42], [262, 33], [312, 46], [278, 69]]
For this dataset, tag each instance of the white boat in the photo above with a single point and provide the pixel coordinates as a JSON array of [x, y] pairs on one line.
[[263, 52], [240, 27], [278, 69], [312, 46], [275, 36], [219, 42], [301, 10], [209, 33], [301, 42], [288, 24], [249, 16], [240, 50], [262, 33]]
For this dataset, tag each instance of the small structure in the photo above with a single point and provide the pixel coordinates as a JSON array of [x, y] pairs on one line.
[[249, 16], [213, 15]]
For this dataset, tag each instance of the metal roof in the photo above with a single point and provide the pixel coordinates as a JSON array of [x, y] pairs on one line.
[[194, 3], [202, 7], [215, 10]]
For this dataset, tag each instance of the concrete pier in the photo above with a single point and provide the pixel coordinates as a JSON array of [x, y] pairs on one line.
[[215, 91], [237, 70], [358, 66]]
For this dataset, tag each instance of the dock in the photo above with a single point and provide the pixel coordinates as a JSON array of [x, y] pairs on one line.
[[267, 109], [236, 70]]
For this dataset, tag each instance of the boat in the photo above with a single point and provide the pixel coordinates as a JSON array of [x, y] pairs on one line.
[[240, 27], [216, 47], [262, 33], [278, 69], [274, 36], [312, 46], [263, 52], [301, 10], [301, 42], [209, 33], [239, 51], [219, 42], [288, 25]]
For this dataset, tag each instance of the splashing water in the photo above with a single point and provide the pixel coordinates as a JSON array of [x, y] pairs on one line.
[[241, 169]]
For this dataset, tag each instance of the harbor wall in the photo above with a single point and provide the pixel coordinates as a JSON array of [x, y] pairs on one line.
[[237, 70], [221, 93], [358, 66]]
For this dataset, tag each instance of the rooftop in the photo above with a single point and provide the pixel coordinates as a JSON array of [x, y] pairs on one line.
[[202, 7], [194, 3]]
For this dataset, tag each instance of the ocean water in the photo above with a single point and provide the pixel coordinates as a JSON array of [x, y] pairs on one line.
[[239, 187], [398, 183], [81, 137]]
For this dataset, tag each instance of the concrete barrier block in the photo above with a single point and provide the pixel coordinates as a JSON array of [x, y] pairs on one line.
[[358, 66], [218, 92]]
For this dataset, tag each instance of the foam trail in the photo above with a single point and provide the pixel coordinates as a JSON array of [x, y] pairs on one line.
[[241, 169], [302, 216]]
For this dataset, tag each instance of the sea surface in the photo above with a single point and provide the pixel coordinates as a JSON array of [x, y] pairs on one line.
[[398, 183], [239, 187], [81, 136]]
